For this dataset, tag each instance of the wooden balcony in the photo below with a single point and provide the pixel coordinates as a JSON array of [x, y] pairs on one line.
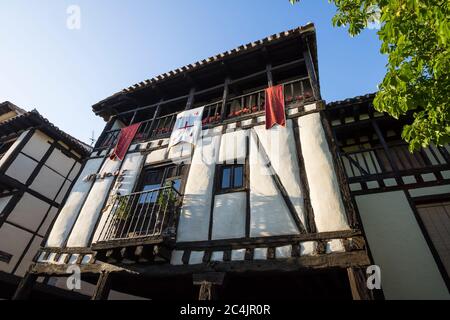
[[139, 225], [297, 93], [377, 164]]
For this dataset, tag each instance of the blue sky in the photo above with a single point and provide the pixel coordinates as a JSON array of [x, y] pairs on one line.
[[63, 72]]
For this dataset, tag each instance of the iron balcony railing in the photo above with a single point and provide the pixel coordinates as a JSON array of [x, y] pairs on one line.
[[146, 214], [296, 92]]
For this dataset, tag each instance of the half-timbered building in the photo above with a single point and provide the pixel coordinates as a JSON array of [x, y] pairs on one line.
[[402, 198], [38, 164], [244, 212]]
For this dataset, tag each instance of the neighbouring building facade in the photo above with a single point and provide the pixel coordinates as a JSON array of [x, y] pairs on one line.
[[402, 198], [38, 165], [246, 211]]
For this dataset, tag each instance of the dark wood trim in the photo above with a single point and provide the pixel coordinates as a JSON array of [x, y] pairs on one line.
[[215, 88], [304, 185], [269, 75], [191, 99], [341, 176], [276, 179], [429, 241], [226, 91], [103, 287], [325, 261], [358, 284], [265, 241], [25, 287], [16, 151], [247, 168], [311, 70]]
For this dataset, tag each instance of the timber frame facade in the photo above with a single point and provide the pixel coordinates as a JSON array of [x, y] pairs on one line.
[[38, 164], [286, 225], [402, 198]]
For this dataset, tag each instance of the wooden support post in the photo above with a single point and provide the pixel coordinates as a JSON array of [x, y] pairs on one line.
[[155, 116], [269, 75], [279, 185], [311, 70], [226, 91], [190, 101], [358, 284], [385, 147], [133, 118], [208, 282], [103, 287], [23, 291]]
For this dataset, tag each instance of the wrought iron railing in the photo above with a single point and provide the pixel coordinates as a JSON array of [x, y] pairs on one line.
[[147, 214], [375, 161]]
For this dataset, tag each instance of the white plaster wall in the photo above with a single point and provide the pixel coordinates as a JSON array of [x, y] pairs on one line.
[[229, 216], [38, 145], [19, 238], [117, 125], [133, 163], [90, 211], [279, 144], [156, 156], [29, 212], [12, 148], [233, 147], [47, 183], [408, 269], [28, 258], [59, 162], [69, 212], [21, 168], [326, 200], [195, 213], [181, 150], [269, 215]]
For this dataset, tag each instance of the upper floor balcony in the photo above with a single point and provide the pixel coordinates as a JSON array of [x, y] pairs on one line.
[[297, 93], [139, 219]]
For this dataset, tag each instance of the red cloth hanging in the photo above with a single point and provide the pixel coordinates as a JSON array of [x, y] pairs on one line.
[[275, 107], [126, 136]]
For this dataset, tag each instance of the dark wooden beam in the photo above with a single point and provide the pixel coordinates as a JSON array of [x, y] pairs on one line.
[[309, 210], [269, 75], [358, 284], [226, 91], [311, 70], [385, 147], [25, 287], [276, 179], [191, 99], [103, 287], [322, 261]]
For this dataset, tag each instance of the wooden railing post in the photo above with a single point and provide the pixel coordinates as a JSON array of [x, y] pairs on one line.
[[209, 283], [358, 284], [103, 287], [23, 291]]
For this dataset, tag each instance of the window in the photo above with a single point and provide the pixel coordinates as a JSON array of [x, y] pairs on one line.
[[5, 257], [155, 178], [231, 178], [436, 220]]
